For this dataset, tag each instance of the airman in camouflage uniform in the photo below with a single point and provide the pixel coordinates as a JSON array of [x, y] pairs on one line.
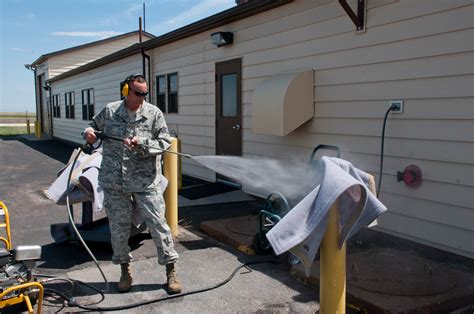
[[130, 174]]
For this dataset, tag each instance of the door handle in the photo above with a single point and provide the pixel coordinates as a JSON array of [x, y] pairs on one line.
[[236, 127]]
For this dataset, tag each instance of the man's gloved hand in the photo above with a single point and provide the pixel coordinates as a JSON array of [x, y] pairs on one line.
[[132, 143], [89, 136]]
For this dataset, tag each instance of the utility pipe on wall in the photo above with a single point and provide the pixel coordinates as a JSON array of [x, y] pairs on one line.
[[145, 56]]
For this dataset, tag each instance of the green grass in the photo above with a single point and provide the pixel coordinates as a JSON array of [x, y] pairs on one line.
[[15, 116], [12, 130], [8, 115]]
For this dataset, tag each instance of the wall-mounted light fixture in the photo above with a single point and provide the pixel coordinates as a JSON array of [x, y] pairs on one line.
[[47, 86], [222, 38], [30, 67]]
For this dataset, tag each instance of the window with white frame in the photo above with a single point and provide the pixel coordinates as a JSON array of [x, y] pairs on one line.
[[56, 107], [87, 104], [167, 92], [69, 104]]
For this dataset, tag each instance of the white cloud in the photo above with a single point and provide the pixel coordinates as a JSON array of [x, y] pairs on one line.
[[20, 49], [102, 34], [197, 12]]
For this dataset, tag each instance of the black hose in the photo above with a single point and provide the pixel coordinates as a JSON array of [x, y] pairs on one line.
[[71, 219], [382, 148], [71, 302], [73, 284]]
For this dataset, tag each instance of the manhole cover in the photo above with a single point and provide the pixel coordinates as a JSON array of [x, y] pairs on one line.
[[398, 273]]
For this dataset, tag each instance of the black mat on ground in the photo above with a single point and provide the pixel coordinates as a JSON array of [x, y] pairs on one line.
[[195, 214], [205, 190], [188, 181]]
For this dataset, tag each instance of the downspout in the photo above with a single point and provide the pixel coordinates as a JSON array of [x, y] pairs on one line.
[[49, 108], [144, 56], [38, 112], [38, 101]]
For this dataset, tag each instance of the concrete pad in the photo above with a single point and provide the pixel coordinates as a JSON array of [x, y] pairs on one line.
[[393, 281], [236, 232]]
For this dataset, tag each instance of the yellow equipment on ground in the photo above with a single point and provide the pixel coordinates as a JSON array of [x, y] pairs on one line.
[[5, 223], [20, 288], [20, 296]]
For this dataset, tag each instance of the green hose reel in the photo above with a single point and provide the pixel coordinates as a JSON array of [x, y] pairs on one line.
[[276, 207]]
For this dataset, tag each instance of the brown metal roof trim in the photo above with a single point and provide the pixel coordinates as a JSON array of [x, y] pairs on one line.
[[225, 17], [43, 58]]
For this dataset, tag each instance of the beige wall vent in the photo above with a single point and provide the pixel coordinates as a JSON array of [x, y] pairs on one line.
[[282, 103]]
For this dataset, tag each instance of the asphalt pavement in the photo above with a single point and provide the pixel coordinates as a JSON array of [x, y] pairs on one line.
[[28, 167]]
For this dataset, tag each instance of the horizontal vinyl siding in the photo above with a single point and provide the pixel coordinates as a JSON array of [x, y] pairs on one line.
[[418, 51], [447, 237], [106, 83], [71, 60]]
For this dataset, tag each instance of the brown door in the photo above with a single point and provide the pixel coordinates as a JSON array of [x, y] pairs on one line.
[[228, 109]]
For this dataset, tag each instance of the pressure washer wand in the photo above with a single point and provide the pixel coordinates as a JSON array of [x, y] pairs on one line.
[[102, 135]]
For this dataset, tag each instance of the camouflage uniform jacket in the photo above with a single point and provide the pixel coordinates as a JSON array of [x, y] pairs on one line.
[[131, 170]]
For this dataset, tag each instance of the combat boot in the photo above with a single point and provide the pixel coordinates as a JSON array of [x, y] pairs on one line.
[[174, 286], [125, 283]]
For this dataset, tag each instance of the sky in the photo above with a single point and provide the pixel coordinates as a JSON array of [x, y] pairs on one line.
[[31, 28]]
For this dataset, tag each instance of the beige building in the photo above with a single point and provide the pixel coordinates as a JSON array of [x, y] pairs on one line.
[[250, 97], [52, 64]]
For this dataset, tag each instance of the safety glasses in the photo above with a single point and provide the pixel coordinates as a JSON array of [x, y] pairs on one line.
[[140, 94]]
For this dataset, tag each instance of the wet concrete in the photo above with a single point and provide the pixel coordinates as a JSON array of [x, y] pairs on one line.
[[385, 274]]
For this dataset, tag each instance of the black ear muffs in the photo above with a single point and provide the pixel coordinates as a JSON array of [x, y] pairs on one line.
[[126, 83]]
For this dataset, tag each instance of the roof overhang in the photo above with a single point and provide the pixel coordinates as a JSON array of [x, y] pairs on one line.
[[44, 57]]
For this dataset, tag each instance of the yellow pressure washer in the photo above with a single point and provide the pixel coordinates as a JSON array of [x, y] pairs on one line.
[[19, 289]]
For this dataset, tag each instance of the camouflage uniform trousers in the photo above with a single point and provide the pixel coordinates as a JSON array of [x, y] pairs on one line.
[[118, 206]]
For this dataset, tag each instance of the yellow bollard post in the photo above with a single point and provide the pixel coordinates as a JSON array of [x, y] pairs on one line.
[[170, 171], [28, 130], [37, 129], [332, 293]]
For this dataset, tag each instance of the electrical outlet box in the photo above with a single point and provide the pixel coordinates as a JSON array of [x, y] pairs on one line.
[[397, 106]]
